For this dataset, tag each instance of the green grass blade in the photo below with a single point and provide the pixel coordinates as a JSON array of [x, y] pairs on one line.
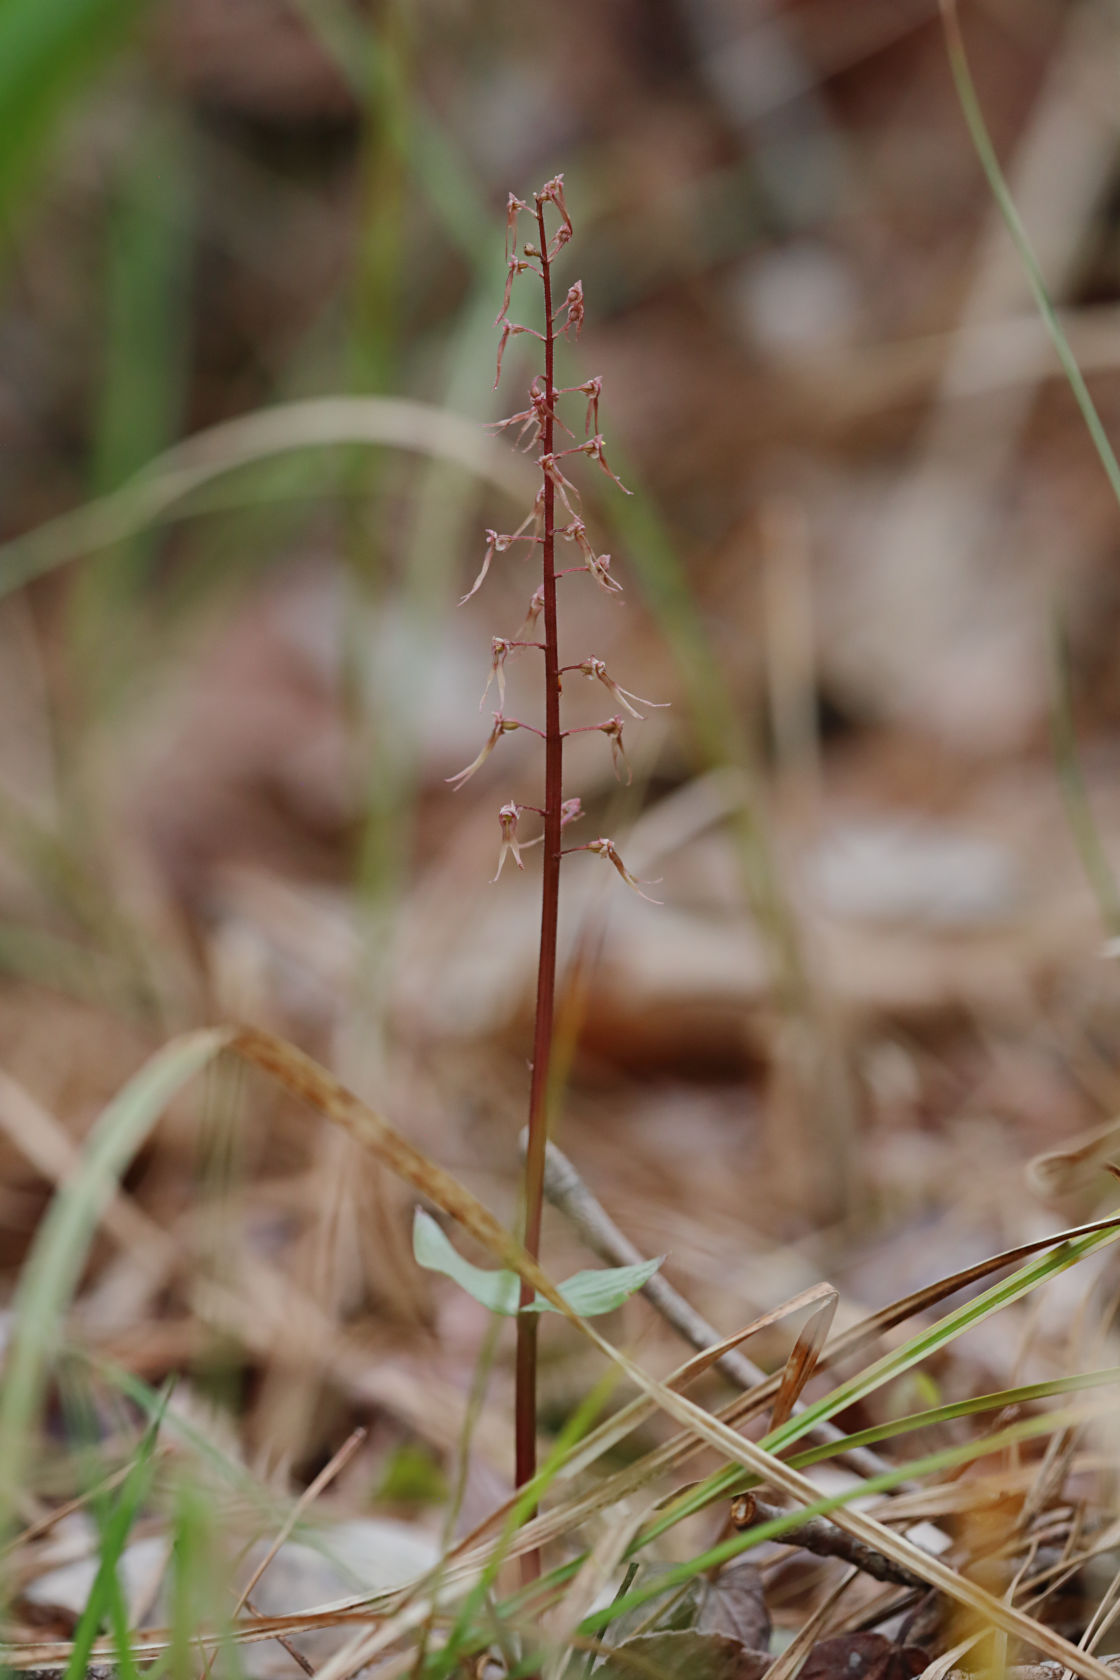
[[106, 1600], [929, 1341], [949, 1458], [985, 151], [48, 48], [58, 1254], [893, 1364], [1078, 810], [445, 1661], [1024, 1395]]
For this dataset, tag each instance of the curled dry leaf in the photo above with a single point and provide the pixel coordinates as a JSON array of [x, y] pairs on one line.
[[735, 1604]]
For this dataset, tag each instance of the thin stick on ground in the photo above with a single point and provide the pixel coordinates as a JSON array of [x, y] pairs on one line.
[[568, 1193], [824, 1539]]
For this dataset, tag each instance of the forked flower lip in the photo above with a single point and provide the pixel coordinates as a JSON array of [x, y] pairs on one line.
[[502, 726], [604, 846], [593, 667]]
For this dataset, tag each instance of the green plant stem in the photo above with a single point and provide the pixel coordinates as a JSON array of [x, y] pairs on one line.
[[989, 162], [525, 1425]]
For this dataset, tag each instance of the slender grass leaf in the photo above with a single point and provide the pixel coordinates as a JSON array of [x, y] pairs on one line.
[[949, 1458], [1024, 1395], [58, 1254], [317, 423], [989, 162], [106, 1599], [48, 48]]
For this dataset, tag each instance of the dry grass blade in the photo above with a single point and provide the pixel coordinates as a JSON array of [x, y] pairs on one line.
[[803, 1360], [869, 1329], [325, 422], [304, 1078], [49, 1148], [789, 1661], [629, 1417], [307, 1498], [51, 1273], [928, 1568], [567, 1191], [595, 1572]]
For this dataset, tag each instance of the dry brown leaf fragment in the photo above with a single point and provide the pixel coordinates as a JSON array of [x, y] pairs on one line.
[[863, 1656]]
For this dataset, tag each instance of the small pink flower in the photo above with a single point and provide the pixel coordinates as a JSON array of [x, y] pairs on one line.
[[498, 542], [570, 811], [514, 208], [507, 821], [597, 564], [502, 726], [499, 651], [612, 729], [531, 419], [548, 466], [594, 448], [536, 607], [606, 848], [573, 304], [492, 542], [599, 567], [553, 192], [593, 667], [592, 390], [510, 329], [516, 266]]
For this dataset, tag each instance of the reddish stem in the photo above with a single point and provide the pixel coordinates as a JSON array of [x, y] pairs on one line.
[[525, 1423]]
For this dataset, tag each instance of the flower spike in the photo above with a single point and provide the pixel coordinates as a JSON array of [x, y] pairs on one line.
[[502, 726]]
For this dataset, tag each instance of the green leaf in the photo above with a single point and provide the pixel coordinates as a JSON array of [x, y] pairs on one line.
[[601, 1291], [588, 1293]]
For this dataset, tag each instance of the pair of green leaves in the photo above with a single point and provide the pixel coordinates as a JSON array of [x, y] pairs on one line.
[[587, 1293]]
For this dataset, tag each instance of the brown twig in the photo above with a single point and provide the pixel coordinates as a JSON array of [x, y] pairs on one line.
[[824, 1539], [568, 1193]]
